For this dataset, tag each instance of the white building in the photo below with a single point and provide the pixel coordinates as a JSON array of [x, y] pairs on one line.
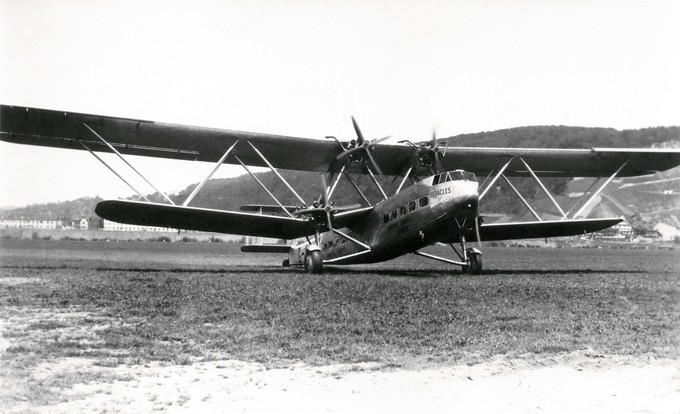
[[113, 226], [666, 231], [620, 232], [29, 223], [83, 224]]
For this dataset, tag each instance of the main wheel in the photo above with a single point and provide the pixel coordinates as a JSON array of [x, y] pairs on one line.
[[474, 263], [286, 263], [314, 262]]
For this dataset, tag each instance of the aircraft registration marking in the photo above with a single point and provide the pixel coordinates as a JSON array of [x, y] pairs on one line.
[[440, 192]]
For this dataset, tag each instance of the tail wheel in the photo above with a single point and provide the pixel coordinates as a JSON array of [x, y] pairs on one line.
[[313, 262], [474, 263]]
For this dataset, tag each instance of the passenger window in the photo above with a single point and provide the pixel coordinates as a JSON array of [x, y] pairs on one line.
[[412, 206], [402, 211], [393, 215], [423, 201], [386, 218]]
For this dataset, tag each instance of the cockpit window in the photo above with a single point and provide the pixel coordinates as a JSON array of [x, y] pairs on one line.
[[457, 175]]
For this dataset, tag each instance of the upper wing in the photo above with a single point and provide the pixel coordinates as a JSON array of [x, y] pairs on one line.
[[202, 219], [156, 139], [594, 162], [138, 137]]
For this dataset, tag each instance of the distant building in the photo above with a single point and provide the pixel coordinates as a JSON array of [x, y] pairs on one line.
[[29, 223], [667, 232], [624, 228], [623, 231], [113, 226], [83, 224]]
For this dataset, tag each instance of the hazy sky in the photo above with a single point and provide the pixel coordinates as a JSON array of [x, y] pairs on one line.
[[302, 68]]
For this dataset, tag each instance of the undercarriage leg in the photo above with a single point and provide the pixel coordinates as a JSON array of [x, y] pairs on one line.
[[472, 258]]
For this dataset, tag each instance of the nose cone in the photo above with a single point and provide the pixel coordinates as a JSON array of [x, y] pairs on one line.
[[464, 191], [463, 197]]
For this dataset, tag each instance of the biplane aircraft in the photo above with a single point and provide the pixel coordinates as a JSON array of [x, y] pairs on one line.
[[435, 196]]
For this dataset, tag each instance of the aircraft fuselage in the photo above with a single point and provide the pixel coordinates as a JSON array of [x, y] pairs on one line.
[[439, 207]]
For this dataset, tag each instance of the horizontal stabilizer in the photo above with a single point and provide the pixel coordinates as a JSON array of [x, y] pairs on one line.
[[201, 219], [540, 229], [265, 248]]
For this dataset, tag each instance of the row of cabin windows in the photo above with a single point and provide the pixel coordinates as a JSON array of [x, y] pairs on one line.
[[403, 210]]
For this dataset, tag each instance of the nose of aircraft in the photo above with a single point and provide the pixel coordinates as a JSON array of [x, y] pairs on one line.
[[465, 197]]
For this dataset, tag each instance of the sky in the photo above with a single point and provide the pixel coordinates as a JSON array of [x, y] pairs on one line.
[[303, 68]]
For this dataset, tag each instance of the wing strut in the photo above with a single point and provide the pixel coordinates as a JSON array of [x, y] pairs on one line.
[[599, 190], [540, 183], [277, 174], [264, 187], [356, 187], [495, 178], [584, 195], [331, 190], [219, 164], [114, 171], [128, 164], [364, 245], [565, 216], [408, 173], [526, 203], [377, 184]]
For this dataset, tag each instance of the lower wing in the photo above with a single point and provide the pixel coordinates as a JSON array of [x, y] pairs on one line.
[[540, 229], [201, 219]]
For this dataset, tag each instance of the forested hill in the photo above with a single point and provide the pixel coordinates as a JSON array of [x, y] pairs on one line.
[[568, 137], [234, 192]]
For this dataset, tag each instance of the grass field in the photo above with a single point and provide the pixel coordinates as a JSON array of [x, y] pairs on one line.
[[136, 302], [81, 320]]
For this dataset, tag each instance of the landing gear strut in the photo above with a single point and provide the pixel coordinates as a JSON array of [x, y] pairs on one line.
[[470, 258]]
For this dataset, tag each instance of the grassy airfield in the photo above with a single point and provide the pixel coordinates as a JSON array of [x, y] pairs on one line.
[[130, 303]]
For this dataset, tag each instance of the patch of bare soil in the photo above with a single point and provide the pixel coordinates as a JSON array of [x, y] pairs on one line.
[[582, 381]]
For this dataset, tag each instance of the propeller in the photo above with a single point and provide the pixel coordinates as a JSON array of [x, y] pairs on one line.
[[326, 204], [326, 207], [431, 155], [362, 146]]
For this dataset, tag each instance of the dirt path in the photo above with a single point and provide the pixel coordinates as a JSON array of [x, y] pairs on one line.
[[579, 382], [493, 387]]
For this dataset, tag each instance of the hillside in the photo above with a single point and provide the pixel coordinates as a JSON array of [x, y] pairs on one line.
[[646, 202], [568, 137]]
